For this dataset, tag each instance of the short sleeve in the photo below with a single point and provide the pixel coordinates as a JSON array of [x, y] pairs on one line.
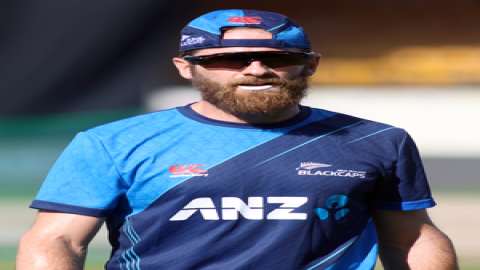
[[406, 186], [84, 180]]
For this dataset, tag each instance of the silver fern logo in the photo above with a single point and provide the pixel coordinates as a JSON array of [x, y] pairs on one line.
[[312, 165], [307, 168]]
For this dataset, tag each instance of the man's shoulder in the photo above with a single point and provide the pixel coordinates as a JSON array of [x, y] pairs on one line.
[[320, 113], [143, 123], [354, 123]]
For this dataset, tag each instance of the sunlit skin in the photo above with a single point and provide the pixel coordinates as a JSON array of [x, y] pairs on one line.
[[255, 69]]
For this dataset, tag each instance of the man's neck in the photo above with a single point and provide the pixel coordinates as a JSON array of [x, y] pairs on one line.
[[209, 110]]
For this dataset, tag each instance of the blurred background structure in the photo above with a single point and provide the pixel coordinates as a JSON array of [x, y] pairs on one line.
[[66, 66]]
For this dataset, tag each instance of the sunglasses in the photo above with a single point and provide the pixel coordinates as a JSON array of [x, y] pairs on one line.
[[271, 59]]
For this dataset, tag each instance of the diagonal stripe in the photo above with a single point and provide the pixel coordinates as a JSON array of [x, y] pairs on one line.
[[329, 257], [120, 263], [312, 140], [136, 235], [276, 27], [131, 232], [371, 134], [134, 260], [131, 259], [126, 261], [138, 259], [126, 230], [134, 257]]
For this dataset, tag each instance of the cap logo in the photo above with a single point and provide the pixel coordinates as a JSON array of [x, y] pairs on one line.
[[187, 40], [245, 20]]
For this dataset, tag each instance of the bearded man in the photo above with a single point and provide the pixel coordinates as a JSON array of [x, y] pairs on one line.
[[246, 178]]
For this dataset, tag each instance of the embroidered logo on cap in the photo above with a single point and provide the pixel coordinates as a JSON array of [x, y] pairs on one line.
[[245, 20], [187, 40]]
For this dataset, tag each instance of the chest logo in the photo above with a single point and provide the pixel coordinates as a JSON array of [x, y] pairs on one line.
[[336, 203], [313, 168], [312, 165], [231, 207], [187, 170]]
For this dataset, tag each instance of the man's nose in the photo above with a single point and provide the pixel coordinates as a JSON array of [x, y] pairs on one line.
[[256, 68]]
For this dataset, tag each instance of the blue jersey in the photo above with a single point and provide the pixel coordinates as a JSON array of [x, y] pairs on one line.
[[182, 191]]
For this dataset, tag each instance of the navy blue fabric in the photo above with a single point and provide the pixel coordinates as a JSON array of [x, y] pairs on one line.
[[73, 209]]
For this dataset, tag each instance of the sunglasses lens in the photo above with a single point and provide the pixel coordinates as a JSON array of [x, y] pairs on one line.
[[227, 61], [284, 60], [240, 60]]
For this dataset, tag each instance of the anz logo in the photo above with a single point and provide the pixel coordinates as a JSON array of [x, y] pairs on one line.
[[231, 207]]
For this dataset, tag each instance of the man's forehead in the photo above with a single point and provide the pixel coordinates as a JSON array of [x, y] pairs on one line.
[[240, 33], [209, 51], [245, 33]]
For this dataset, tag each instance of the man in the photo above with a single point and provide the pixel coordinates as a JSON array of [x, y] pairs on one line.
[[244, 179]]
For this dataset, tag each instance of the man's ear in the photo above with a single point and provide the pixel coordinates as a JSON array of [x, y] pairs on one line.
[[313, 65], [183, 67]]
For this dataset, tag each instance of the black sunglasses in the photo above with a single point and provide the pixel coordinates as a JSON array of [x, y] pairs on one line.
[[272, 59]]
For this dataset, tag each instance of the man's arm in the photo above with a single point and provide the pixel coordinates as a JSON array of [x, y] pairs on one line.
[[409, 240], [57, 241]]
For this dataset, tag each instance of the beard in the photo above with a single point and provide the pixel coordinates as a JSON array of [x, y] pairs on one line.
[[287, 93]]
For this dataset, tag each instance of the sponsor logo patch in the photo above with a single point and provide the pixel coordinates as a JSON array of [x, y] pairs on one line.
[[308, 168], [187, 170], [187, 40], [233, 207], [245, 20], [334, 203]]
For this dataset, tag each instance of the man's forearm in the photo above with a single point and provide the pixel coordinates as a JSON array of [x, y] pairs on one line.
[[432, 251], [52, 254]]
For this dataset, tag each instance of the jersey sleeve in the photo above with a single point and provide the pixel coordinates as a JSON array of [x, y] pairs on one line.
[[405, 187], [84, 180]]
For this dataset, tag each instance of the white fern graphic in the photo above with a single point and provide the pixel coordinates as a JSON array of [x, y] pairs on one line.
[[312, 165]]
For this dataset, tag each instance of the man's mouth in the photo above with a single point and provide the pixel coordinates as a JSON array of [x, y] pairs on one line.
[[253, 87]]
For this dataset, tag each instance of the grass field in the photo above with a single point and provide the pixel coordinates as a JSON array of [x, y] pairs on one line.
[[455, 215]]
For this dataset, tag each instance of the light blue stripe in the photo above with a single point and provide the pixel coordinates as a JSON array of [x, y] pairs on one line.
[[421, 204], [131, 259], [134, 260], [334, 254], [307, 143], [363, 254], [125, 230], [126, 261], [132, 236], [138, 259], [137, 236], [276, 27], [371, 134], [404, 206], [120, 263]]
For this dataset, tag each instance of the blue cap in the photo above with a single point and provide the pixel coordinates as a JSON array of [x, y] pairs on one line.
[[206, 31]]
